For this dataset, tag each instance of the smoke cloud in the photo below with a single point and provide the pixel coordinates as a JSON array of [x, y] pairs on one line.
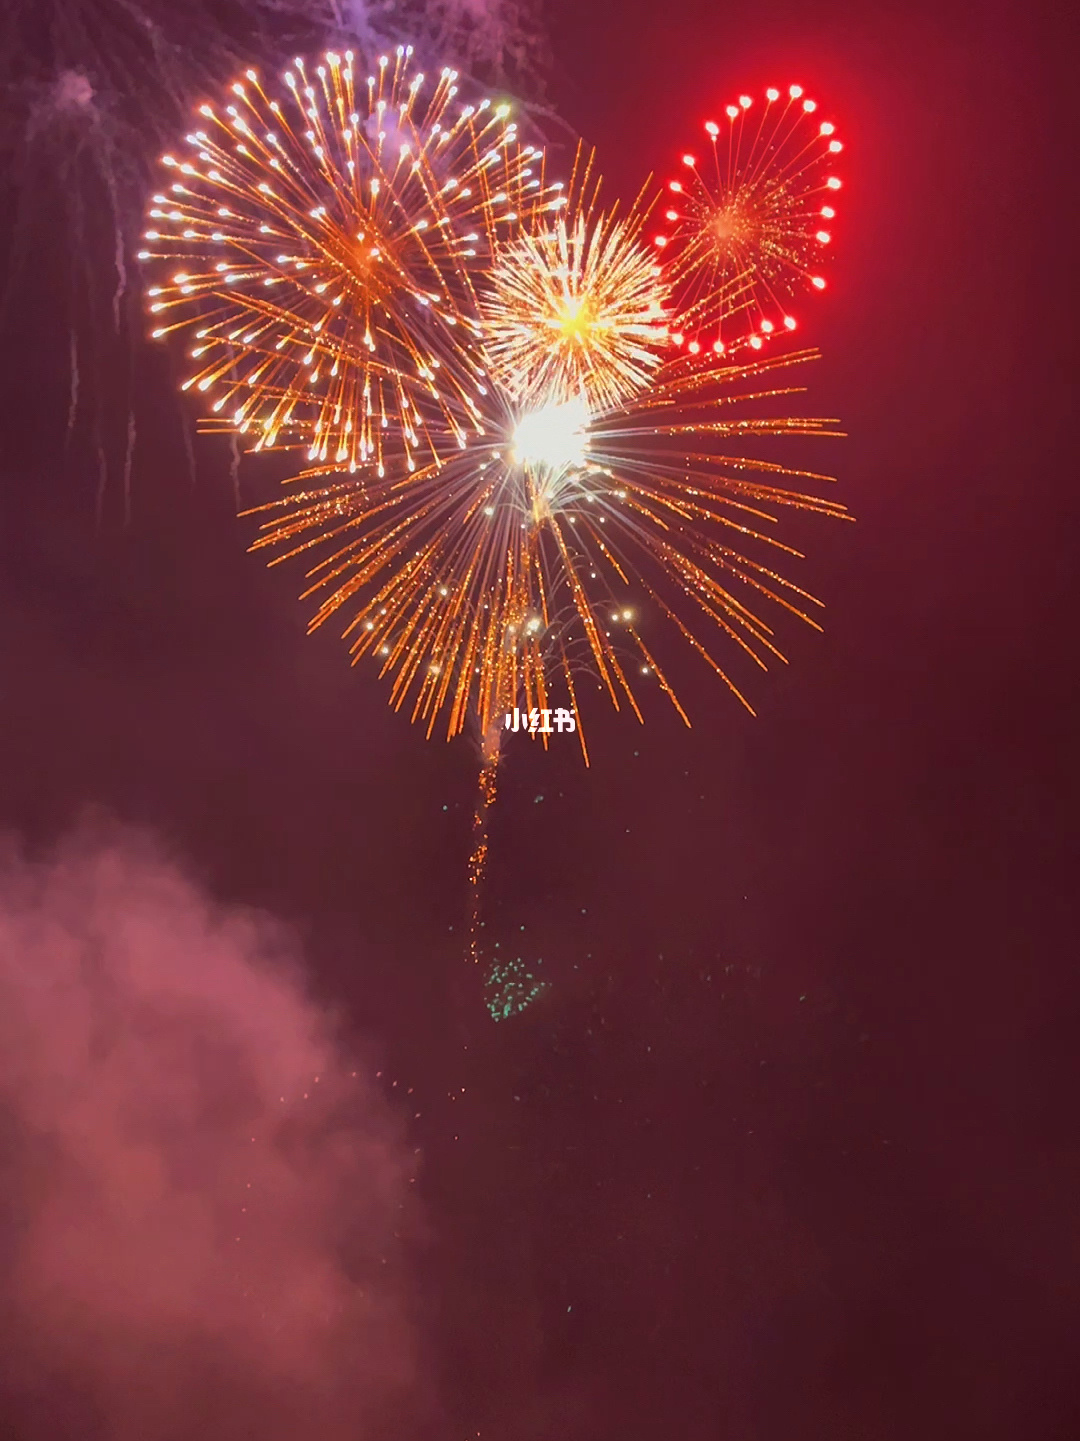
[[203, 1209]]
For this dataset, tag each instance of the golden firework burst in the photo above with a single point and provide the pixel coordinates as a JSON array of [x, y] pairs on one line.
[[472, 582], [575, 302], [322, 249]]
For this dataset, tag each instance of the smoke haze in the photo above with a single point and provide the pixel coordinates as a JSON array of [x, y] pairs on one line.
[[203, 1208]]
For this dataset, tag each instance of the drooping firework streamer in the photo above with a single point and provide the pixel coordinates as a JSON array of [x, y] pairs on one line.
[[94, 90]]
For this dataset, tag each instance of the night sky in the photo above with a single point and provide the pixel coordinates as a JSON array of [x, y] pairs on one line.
[[788, 1150]]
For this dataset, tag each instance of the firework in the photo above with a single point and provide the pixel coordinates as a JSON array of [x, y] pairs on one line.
[[92, 91], [486, 579], [575, 301], [523, 443], [480, 533], [322, 249], [760, 206], [510, 988]]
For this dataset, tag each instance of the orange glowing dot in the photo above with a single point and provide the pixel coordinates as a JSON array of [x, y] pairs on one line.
[[772, 94], [817, 282], [823, 236], [789, 322]]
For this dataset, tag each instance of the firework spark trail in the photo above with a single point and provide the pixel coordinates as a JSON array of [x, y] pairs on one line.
[[487, 789]]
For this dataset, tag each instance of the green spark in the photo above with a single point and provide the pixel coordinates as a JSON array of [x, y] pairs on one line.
[[511, 987]]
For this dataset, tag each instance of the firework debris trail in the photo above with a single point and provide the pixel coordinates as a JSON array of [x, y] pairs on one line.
[[486, 791]]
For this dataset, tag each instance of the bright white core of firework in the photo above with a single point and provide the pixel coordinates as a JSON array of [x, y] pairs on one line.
[[553, 437]]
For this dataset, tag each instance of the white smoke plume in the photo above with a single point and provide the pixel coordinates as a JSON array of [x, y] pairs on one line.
[[204, 1204], [501, 42]]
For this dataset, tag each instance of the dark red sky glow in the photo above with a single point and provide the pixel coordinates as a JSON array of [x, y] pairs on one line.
[[788, 1149]]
